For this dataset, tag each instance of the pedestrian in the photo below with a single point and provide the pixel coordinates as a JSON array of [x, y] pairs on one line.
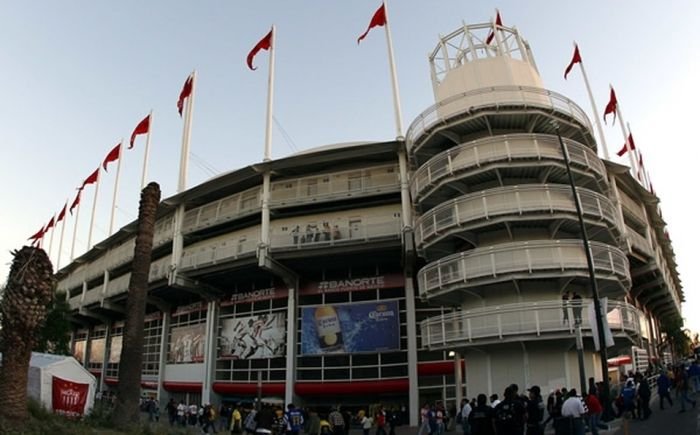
[[236, 420], [335, 418], [683, 388], [510, 414], [264, 420], [644, 392], [595, 412], [663, 385], [464, 416], [494, 400], [628, 395], [279, 422], [565, 308], [182, 413], [314, 424], [482, 418], [366, 424], [380, 421], [424, 420], [573, 412], [171, 409], [535, 411], [577, 307], [295, 419]]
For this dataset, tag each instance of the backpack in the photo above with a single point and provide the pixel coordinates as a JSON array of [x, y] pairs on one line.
[[505, 414]]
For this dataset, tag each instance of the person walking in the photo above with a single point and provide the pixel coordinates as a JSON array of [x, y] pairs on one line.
[[663, 385], [595, 412], [510, 414], [482, 418], [424, 428], [464, 416], [683, 388], [380, 421], [573, 412], [565, 308], [535, 411], [335, 418], [577, 307]]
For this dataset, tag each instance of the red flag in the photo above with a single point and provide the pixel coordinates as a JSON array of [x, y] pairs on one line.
[[628, 146], [38, 235], [574, 60], [611, 107], [62, 214], [75, 203], [640, 170], [378, 20], [498, 23], [144, 126], [91, 179], [186, 92], [112, 155], [263, 44], [49, 225]]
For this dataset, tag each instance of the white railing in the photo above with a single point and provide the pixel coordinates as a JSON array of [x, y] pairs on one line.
[[335, 185], [471, 157], [313, 237], [497, 96], [465, 212], [632, 207], [163, 231], [222, 210], [118, 285], [210, 254], [638, 241], [540, 258], [159, 268], [513, 321]]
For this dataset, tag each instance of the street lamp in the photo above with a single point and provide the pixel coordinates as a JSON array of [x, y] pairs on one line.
[[591, 272]]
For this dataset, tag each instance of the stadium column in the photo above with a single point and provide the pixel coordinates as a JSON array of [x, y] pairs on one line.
[[291, 344], [105, 355], [618, 203], [209, 351], [86, 350], [413, 404], [163, 355], [177, 243]]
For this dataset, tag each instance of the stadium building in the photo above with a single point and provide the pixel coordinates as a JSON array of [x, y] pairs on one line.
[[396, 272]]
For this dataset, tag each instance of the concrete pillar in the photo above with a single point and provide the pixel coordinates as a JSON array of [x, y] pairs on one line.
[[292, 302], [413, 405], [162, 394]]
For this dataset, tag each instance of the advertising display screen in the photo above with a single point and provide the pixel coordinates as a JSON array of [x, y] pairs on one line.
[[97, 350], [115, 349], [187, 344], [79, 351], [261, 336], [350, 328]]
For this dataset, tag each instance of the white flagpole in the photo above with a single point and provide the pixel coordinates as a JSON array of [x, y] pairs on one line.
[[146, 150], [63, 230], [640, 173], [53, 230], [596, 115], [75, 228], [625, 134], [186, 135], [394, 80], [270, 97], [94, 210], [116, 186]]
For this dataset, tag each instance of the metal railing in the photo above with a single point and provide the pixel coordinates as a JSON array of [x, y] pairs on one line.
[[512, 148], [314, 237], [639, 241], [465, 212], [537, 258], [496, 96], [222, 210], [209, 254], [511, 321]]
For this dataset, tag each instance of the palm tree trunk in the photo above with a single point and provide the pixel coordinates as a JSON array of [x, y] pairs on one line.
[[29, 291], [126, 412]]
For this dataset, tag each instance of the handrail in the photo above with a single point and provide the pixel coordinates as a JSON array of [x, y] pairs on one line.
[[460, 212], [472, 268], [529, 96], [525, 318], [509, 148]]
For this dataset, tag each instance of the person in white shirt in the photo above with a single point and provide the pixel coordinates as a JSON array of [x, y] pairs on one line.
[[494, 400], [466, 410], [574, 410]]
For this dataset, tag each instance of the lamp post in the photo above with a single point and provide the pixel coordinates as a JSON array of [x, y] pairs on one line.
[[591, 271]]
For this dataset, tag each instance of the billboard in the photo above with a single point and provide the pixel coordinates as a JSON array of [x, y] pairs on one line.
[[187, 344], [261, 336], [350, 328], [115, 349], [97, 350]]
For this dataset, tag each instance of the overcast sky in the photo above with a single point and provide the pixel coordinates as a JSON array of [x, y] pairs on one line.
[[78, 75]]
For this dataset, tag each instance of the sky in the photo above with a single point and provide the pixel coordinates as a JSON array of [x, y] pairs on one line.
[[78, 75]]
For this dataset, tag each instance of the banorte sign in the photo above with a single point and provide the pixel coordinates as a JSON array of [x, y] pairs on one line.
[[354, 284], [67, 397]]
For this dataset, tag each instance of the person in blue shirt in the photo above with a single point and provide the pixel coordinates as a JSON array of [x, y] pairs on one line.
[[663, 383], [628, 395], [295, 420]]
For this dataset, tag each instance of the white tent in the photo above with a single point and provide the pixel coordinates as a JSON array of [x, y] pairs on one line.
[[42, 369]]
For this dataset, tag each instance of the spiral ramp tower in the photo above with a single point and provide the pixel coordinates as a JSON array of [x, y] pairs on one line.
[[496, 222]]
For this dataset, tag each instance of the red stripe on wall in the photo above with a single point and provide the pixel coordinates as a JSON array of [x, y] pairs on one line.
[[436, 368], [267, 388], [359, 387]]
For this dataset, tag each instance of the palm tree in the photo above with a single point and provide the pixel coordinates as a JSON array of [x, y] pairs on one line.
[[126, 412], [28, 292]]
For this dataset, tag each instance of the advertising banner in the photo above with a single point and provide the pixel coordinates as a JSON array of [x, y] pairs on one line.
[[68, 398], [79, 351], [350, 328], [97, 350], [187, 344], [261, 336], [391, 280], [262, 294], [115, 349]]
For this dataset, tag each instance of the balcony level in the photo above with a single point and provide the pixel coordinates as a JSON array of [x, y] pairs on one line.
[[443, 281], [526, 321], [550, 205], [491, 160], [492, 110]]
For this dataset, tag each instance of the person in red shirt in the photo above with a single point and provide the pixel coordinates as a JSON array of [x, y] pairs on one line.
[[595, 411]]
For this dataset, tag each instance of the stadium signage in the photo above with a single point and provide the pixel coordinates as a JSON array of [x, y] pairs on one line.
[[255, 295], [393, 280]]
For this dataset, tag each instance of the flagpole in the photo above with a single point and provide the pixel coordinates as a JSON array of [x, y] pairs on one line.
[[270, 97], [394, 80], [53, 230], [625, 134], [596, 115], [186, 135], [147, 149], [116, 187], [63, 230], [75, 229], [94, 210], [640, 173]]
